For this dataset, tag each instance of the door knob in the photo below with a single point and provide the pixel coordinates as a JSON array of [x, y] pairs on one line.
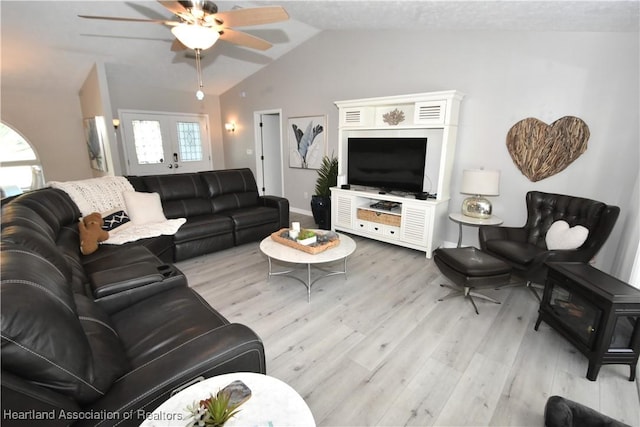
[[176, 166]]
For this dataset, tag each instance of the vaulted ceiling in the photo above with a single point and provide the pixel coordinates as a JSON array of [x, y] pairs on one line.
[[44, 43]]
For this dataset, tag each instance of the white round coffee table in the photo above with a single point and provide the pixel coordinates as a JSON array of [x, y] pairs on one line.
[[280, 252], [272, 403]]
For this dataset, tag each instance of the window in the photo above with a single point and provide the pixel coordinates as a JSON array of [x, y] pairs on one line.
[[147, 138], [189, 141], [20, 168]]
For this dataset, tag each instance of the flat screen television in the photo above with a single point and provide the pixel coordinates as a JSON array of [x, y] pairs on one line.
[[387, 163]]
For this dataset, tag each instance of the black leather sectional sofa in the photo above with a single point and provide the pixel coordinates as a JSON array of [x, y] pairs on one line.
[[222, 209], [104, 339]]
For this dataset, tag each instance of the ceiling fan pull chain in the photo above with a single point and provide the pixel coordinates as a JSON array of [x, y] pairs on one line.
[[200, 92]]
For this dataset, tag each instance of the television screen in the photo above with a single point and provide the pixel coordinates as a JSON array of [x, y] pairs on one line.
[[387, 163]]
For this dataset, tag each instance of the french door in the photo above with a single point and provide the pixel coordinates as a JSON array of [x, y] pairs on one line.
[[165, 143]]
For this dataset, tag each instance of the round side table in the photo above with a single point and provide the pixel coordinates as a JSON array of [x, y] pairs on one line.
[[272, 403], [471, 221]]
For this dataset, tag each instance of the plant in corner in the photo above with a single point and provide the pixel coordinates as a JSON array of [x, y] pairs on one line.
[[321, 200]]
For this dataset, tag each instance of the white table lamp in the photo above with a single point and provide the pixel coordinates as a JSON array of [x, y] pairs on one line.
[[479, 182]]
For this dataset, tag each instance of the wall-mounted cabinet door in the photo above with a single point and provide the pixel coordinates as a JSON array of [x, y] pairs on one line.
[[162, 143]]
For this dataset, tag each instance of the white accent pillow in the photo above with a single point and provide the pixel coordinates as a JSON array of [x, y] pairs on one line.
[[561, 236], [143, 208]]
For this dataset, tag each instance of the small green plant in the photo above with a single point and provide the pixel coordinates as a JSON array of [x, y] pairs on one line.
[[213, 412], [305, 234]]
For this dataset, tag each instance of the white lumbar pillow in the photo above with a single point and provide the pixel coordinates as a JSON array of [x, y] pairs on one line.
[[561, 236], [143, 208]]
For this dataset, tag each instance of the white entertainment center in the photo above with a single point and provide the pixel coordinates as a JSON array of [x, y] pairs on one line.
[[399, 219]]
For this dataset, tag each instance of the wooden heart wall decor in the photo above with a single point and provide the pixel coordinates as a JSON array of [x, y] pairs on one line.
[[540, 150]]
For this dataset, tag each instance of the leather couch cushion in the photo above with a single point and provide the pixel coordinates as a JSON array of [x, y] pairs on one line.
[[186, 208], [17, 214], [521, 253], [228, 202], [37, 243], [36, 298], [108, 359], [124, 278], [231, 189], [182, 195], [54, 206], [160, 246], [229, 181], [183, 314], [252, 217], [221, 350], [175, 187], [117, 258], [200, 227]]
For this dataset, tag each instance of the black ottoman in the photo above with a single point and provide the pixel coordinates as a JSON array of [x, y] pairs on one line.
[[470, 268]]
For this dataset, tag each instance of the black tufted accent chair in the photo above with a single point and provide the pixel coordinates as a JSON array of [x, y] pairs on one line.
[[525, 249]]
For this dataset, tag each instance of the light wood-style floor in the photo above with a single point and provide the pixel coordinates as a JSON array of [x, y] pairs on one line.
[[379, 349]]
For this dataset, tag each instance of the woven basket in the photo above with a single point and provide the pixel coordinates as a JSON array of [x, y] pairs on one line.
[[379, 217], [315, 249]]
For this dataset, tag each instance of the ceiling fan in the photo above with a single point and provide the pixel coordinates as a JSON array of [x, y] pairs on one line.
[[200, 24]]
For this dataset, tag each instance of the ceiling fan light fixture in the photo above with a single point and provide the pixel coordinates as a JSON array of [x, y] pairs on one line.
[[195, 36]]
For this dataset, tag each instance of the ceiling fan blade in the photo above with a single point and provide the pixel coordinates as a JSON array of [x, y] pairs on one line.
[[113, 18], [244, 39], [174, 6], [247, 17]]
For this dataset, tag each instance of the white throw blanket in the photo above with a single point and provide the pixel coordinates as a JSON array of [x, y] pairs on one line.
[[96, 194], [130, 232], [105, 194]]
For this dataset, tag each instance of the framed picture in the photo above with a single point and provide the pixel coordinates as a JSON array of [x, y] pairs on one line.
[[94, 134], [307, 141]]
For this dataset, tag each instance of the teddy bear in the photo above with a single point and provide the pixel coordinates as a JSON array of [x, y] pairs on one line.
[[91, 233]]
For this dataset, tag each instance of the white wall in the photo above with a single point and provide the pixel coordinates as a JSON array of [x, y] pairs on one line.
[[51, 121], [130, 91], [94, 101], [506, 76]]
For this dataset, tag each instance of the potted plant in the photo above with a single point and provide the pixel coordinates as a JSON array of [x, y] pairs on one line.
[[321, 200]]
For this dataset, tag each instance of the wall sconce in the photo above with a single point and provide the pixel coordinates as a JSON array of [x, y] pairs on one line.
[[230, 127], [116, 123]]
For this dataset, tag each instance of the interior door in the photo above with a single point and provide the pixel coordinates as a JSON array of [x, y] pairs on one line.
[[269, 153], [163, 143]]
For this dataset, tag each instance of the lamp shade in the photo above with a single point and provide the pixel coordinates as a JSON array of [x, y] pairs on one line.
[[195, 36], [480, 182]]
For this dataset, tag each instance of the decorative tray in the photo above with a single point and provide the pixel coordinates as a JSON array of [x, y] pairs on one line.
[[325, 240]]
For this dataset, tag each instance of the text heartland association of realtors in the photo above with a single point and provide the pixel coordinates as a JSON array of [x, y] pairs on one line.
[[139, 414]]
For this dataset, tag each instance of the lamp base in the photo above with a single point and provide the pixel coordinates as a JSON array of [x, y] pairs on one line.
[[476, 207]]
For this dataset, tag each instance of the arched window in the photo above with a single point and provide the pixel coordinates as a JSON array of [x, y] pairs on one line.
[[20, 168]]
